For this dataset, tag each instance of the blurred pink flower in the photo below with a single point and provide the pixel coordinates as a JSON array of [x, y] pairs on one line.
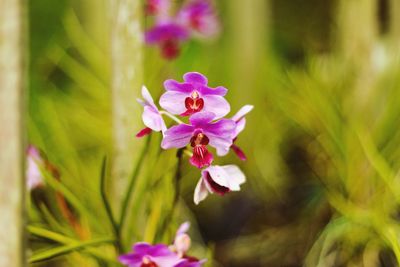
[[34, 176], [200, 17], [167, 35], [157, 7]]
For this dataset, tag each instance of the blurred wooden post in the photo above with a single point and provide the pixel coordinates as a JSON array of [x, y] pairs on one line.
[[126, 47], [394, 27], [357, 28], [357, 35], [11, 145], [249, 22]]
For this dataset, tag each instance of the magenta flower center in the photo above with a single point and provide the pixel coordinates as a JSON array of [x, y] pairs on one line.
[[195, 22], [193, 104], [146, 262], [170, 48], [201, 156], [151, 7], [199, 139]]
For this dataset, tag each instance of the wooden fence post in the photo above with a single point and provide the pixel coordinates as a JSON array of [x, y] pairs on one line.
[[250, 24], [126, 47], [11, 144], [357, 36]]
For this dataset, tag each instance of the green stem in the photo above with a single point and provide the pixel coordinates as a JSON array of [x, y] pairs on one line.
[[107, 206], [129, 190], [178, 176], [163, 112]]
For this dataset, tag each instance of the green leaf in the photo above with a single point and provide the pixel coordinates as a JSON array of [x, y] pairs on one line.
[[62, 250]]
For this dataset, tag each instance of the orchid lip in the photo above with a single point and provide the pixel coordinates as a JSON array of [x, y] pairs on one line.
[[216, 188]]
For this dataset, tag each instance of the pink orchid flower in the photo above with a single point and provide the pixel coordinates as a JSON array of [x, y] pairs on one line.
[[151, 116], [194, 95], [201, 131], [219, 180]]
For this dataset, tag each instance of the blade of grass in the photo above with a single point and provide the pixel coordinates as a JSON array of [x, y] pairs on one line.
[[59, 251], [128, 193], [107, 205]]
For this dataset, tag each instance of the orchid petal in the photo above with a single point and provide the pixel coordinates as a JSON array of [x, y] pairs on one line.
[[206, 90], [152, 119], [183, 228], [236, 176], [201, 118], [217, 105], [220, 135], [201, 192], [172, 85], [173, 102], [147, 96], [177, 136], [242, 112], [195, 77]]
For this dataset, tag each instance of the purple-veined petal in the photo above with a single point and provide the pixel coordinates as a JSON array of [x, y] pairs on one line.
[[242, 112], [195, 77], [201, 118], [220, 135], [177, 136], [217, 105], [205, 90], [172, 85], [159, 250], [131, 259], [173, 102], [201, 191]]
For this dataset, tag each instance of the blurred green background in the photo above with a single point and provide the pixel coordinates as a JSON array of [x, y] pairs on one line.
[[323, 143]]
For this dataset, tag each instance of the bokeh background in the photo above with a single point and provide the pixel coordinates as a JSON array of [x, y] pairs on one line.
[[322, 142]]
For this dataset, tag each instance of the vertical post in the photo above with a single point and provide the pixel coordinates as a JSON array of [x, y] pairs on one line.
[[249, 31], [357, 39], [126, 47], [11, 152], [394, 7]]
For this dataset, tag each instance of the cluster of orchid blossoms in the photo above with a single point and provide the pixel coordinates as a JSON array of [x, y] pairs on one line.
[[196, 18], [206, 107], [160, 255]]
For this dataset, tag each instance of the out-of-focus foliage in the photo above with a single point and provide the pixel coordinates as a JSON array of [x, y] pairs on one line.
[[322, 142]]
